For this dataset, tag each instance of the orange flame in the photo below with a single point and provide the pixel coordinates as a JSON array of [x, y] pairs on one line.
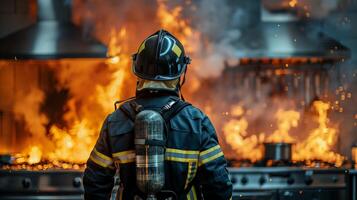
[[285, 120], [293, 3], [317, 146], [354, 156], [321, 141], [235, 132], [74, 144], [35, 155]]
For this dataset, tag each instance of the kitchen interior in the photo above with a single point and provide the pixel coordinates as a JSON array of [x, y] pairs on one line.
[[278, 79]]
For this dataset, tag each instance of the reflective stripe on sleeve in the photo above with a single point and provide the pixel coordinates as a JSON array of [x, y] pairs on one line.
[[179, 155], [210, 154], [124, 157], [101, 159]]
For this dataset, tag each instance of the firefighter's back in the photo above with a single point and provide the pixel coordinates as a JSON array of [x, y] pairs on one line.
[[191, 143]]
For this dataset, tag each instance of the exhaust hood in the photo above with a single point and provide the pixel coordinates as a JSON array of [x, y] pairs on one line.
[[54, 36], [281, 34], [288, 39]]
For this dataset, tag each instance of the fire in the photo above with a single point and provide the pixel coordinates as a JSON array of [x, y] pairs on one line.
[[35, 155], [235, 132], [321, 141], [286, 119], [87, 108], [172, 21], [293, 3], [94, 86], [319, 144], [354, 156], [74, 144]]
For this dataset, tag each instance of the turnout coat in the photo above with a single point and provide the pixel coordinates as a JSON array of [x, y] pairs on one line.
[[195, 167]]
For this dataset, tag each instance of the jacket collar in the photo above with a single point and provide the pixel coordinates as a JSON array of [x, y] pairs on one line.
[[150, 93]]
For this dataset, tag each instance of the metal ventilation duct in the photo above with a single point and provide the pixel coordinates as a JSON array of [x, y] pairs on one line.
[[54, 36]]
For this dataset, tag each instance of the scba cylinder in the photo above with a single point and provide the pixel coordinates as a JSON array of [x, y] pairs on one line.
[[150, 150]]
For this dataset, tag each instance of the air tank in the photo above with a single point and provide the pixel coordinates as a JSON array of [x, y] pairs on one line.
[[149, 140]]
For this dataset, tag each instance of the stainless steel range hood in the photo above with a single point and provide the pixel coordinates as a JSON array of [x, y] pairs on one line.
[[288, 39], [284, 35], [54, 36]]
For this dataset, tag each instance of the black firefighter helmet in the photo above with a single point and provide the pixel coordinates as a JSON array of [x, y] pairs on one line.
[[160, 57]]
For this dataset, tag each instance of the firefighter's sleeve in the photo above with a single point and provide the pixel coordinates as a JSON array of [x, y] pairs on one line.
[[212, 172], [98, 176]]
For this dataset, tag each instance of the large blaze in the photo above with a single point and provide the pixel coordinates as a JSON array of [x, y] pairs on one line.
[[88, 104], [94, 85]]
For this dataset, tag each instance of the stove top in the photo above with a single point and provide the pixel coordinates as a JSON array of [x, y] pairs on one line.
[[282, 163], [45, 184], [287, 177]]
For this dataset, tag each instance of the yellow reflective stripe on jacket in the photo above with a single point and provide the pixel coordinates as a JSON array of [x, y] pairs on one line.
[[100, 159], [193, 152], [192, 169], [186, 156], [192, 194], [180, 155], [210, 154], [124, 156]]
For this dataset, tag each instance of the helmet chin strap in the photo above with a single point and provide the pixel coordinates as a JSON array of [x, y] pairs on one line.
[[180, 84]]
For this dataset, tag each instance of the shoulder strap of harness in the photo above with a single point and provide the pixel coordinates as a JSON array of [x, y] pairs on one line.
[[172, 108], [168, 111]]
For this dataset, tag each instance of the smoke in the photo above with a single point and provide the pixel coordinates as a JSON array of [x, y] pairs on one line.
[[99, 18], [343, 86], [217, 35]]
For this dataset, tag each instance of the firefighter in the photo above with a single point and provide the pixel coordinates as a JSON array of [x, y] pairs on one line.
[[195, 167]]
